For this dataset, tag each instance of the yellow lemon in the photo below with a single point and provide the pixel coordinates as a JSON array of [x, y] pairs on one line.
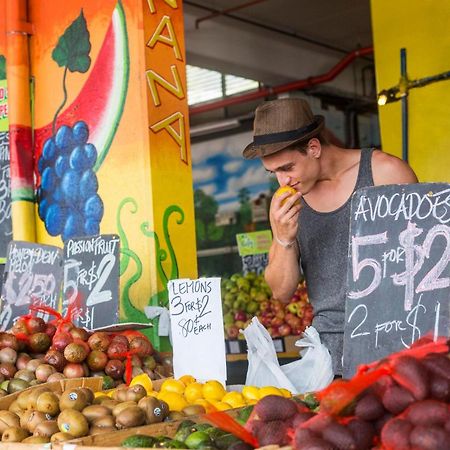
[[221, 406], [234, 399], [187, 379], [282, 189], [209, 407], [193, 392], [172, 385], [269, 390], [286, 393], [250, 392], [144, 380], [213, 390], [175, 400]]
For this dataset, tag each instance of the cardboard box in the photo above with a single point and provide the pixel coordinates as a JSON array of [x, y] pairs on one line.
[[94, 383]]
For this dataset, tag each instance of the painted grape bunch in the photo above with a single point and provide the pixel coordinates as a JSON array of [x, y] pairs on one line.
[[69, 204]]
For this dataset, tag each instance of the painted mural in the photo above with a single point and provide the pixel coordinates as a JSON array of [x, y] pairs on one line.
[[110, 131]]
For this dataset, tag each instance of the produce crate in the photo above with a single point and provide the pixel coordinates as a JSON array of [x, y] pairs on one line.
[[282, 345], [94, 383]]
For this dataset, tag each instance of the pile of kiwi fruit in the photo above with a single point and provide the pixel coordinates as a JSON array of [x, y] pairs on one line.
[[40, 415]]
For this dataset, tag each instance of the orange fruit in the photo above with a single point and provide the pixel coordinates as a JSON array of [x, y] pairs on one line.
[[282, 189], [193, 392], [213, 390]]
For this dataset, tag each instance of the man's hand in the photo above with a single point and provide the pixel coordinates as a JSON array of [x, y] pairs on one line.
[[284, 211]]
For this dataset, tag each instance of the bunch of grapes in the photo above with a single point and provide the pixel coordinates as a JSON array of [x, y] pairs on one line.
[[69, 204]]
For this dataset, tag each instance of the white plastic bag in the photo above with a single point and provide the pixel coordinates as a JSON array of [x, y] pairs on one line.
[[314, 371], [310, 373], [263, 366]]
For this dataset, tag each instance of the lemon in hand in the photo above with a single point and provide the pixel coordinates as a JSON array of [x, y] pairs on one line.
[[283, 189]]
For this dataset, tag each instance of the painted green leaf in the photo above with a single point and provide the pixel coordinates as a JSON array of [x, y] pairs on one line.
[[2, 67], [72, 50]]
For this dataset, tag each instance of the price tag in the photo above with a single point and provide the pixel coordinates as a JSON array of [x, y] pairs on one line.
[[198, 338], [33, 274], [91, 280], [398, 286]]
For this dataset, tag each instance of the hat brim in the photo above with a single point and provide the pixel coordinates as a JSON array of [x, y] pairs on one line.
[[253, 151]]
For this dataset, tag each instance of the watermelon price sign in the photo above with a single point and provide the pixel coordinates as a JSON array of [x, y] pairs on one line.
[[197, 328], [398, 281], [33, 275], [91, 280]]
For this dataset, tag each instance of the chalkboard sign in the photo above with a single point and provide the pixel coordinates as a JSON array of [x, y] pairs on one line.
[[5, 194], [255, 263], [398, 282], [33, 275], [91, 280]]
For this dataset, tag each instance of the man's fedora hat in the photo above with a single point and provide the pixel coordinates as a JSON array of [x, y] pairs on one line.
[[280, 123]]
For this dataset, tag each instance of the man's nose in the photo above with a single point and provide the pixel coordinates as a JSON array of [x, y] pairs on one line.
[[283, 180]]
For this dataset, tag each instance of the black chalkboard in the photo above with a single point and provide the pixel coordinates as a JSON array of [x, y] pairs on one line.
[[33, 275], [5, 194], [255, 263], [91, 279], [398, 281]]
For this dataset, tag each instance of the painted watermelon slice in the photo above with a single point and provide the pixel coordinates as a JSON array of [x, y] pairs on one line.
[[101, 101]]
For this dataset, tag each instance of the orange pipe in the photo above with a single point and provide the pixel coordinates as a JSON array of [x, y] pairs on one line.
[[20, 120]]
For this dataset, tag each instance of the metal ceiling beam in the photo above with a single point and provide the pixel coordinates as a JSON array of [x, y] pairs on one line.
[[295, 85]]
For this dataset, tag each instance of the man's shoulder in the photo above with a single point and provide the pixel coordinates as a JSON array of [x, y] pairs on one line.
[[388, 169]]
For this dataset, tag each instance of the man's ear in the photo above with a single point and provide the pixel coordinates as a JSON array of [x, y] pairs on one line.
[[314, 148]]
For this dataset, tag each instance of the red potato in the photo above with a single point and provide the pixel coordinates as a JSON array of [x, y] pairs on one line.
[[430, 438], [439, 388], [340, 436], [395, 434], [363, 433], [428, 412], [369, 407], [409, 373], [438, 365], [396, 399]]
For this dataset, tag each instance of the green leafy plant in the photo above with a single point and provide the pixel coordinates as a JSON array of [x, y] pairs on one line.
[[72, 53]]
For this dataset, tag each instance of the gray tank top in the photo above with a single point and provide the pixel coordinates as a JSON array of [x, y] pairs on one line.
[[324, 242]]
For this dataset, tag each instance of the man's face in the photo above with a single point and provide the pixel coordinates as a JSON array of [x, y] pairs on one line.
[[293, 168]]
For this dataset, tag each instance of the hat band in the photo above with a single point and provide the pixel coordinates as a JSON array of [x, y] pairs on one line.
[[283, 136]]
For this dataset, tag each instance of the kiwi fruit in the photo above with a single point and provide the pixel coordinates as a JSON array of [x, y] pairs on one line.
[[73, 399], [36, 440], [14, 407], [88, 392], [176, 415], [135, 393], [14, 434], [31, 420], [72, 421], [120, 394], [48, 403], [100, 399], [110, 403], [94, 412], [47, 428], [133, 416], [8, 419], [22, 399], [60, 437], [17, 384], [105, 422], [33, 396], [193, 410], [101, 430], [152, 408], [121, 406]]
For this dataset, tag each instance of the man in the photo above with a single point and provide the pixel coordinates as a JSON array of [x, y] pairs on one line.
[[311, 227]]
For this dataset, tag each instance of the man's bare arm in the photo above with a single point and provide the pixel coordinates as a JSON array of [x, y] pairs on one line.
[[388, 169]]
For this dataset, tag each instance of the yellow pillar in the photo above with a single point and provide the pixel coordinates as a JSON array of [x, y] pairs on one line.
[[21, 155]]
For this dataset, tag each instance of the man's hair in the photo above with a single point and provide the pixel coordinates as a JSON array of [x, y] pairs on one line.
[[303, 145]]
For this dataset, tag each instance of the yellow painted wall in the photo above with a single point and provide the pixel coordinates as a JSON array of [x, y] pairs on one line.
[[422, 27]]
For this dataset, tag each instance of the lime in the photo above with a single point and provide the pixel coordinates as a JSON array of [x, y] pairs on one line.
[[138, 441], [197, 439]]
